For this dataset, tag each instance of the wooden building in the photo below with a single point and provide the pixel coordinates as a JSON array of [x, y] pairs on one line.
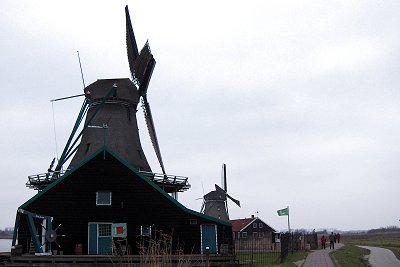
[[104, 190], [252, 233]]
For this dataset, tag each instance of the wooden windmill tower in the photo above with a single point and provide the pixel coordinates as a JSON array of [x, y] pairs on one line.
[[215, 203], [110, 108], [118, 99]]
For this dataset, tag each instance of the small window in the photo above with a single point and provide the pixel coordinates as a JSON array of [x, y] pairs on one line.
[[260, 225], [244, 234], [104, 229], [145, 230], [254, 225], [103, 198]]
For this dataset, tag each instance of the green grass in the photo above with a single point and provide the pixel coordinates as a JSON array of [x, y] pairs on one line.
[[270, 258], [259, 258], [351, 256], [384, 240], [293, 257]]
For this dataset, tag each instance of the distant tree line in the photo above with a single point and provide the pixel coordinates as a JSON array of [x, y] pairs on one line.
[[389, 229], [7, 232]]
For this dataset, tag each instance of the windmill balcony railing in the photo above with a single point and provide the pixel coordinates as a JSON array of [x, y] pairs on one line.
[[170, 183], [40, 181]]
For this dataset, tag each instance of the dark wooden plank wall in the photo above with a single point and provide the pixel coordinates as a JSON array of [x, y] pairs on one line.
[[72, 203]]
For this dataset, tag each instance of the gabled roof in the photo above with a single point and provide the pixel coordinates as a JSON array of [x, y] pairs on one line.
[[240, 224], [124, 162]]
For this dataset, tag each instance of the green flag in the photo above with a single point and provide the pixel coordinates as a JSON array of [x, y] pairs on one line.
[[283, 212]]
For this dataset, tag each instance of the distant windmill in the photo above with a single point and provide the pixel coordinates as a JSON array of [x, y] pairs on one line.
[[215, 203]]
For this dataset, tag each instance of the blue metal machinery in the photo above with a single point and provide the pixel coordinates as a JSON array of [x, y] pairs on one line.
[[48, 234]]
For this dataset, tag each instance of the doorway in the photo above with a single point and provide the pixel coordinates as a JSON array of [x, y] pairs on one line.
[[100, 238], [208, 238]]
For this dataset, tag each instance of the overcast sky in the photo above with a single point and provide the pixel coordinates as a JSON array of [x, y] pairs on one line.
[[299, 98]]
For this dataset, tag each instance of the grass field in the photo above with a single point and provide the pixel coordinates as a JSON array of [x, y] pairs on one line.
[[270, 258], [384, 240], [293, 257], [351, 255]]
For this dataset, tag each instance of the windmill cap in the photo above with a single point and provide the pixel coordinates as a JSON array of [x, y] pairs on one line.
[[125, 90]]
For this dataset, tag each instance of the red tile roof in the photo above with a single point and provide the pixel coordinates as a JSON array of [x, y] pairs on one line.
[[239, 224]]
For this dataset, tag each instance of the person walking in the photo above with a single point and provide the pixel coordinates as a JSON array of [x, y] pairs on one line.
[[338, 237], [332, 241], [323, 241]]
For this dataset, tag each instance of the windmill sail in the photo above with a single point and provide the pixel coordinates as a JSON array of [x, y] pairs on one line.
[[130, 42], [222, 191], [223, 178], [142, 66], [215, 202], [152, 131]]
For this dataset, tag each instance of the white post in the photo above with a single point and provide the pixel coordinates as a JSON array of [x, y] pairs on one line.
[[288, 219]]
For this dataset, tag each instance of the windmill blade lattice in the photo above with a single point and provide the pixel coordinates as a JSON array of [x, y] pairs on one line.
[[141, 67], [152, 131], [130, 42]]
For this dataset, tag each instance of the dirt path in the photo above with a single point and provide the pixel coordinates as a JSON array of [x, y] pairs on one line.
[[380, 257]]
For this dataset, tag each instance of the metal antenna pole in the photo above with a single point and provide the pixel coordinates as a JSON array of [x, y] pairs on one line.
[[80, 66], [54, 129]]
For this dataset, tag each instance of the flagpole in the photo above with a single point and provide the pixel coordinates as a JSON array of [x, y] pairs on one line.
[[288, 219]]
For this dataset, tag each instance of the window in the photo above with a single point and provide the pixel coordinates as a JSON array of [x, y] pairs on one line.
[[145, 230], [260, 225], [103, 198], [244, 234], [254, 225], [104, 229]]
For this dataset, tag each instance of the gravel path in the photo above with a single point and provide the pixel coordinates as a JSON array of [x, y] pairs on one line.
[[382, 257]]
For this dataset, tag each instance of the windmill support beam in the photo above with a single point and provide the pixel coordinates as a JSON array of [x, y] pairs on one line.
[[32, 229], [69, 148]]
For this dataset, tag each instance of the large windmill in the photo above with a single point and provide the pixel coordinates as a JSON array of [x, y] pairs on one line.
[[109, 192], [215, 203], [110, 107]]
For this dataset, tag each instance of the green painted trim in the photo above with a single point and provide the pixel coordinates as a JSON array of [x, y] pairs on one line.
[[134, 170], [39, 194]]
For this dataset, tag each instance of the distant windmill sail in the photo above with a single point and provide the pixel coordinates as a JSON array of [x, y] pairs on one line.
[[223, 178], [217, 188], [215, 202]]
